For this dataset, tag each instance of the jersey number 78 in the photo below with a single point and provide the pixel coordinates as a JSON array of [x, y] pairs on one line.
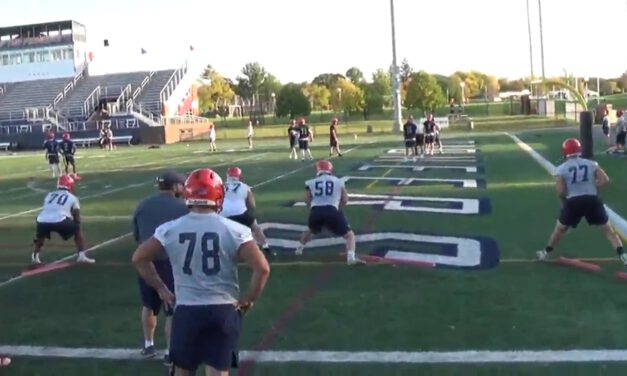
[[209, 247]]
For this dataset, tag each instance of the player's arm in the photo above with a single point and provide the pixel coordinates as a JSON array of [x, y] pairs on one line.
[[343, 198], [135, 228], [308, 196], [250, 201], [250, 253], [601, 177], [144, 255], [560, 186], [76, 212]]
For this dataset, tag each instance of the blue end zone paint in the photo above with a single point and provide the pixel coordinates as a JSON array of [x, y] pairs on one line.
[[485, 205]]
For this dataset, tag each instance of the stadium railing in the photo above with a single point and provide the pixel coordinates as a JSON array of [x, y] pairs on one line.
[[173, 82], [68, 88]]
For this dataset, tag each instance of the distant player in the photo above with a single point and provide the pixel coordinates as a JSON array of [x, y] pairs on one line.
[[204, 249], [621, 131], [304, 138], [292, 134], [249, 134], [438, 140], [429, 129], [52, 155], [212, 138], [60, 214], [409, 134], [239, 206], [420, 141], [605, 127], [578, 181], [326, 196], [334, 140], [68, 149]]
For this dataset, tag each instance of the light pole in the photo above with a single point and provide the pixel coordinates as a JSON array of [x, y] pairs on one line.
[[273, 105], [541, 39], [339, 102], [396, 87], [463, 85], [530, 42]]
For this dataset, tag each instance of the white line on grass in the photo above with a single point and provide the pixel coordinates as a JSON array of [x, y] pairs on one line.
[[69, 257], [619, 223], [389, 357]]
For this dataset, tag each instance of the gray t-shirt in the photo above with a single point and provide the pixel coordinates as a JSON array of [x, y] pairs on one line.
[[579, 175], [154, 211], [621, 124], [202, 249]]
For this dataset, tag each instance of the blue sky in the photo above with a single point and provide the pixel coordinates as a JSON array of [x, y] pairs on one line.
[[297, 39]]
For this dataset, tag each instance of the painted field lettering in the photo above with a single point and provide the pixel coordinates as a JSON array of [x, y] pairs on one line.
[[459, 183]]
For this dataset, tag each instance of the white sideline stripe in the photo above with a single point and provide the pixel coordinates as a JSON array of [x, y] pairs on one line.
[[416, 357], [619, 223], [69, 257]]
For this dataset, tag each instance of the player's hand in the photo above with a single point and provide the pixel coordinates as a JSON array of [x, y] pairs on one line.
[[243, 306], [167, 297]]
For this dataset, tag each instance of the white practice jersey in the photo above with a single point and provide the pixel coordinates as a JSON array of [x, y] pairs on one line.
[[58, 206], [202, 249], [325, 190], [235, 193], [579, 174], [212, 134]]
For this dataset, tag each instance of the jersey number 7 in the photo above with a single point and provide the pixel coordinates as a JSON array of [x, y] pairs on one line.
[[209, 247]]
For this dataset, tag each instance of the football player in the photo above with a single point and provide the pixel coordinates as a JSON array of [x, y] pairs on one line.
[[409, 133], [326, 196], [304, 137], [52, 155], [239, 206], [334, 140], [578, 181], [212, 138], [292, 134], [68, 149], [438, 140], [60, 214], [204, 249], [430, 129]]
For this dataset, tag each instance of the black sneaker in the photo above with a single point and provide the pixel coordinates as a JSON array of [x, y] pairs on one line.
[[149, 352], [166, 360]]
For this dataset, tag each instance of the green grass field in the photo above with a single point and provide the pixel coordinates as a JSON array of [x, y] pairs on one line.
[[485, 293]]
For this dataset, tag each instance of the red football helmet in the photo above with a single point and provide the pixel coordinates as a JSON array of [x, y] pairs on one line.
[[204, 187], [324, 166], [66, 182], [571, 148], [234, 172], [66, 136]]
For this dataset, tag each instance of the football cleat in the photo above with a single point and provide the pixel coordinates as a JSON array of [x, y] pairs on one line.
[[35, 258], [299, 250], [542, 255], [355, 261], [149, 352], [83, 259]]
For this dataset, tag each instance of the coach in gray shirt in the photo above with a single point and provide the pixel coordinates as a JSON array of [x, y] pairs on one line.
[[162, 207]]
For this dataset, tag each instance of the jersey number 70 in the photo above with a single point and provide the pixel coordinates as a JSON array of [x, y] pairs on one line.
[[209, 247]]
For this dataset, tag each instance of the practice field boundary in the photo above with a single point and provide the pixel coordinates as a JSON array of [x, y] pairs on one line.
[[619, 223], [388, 357]]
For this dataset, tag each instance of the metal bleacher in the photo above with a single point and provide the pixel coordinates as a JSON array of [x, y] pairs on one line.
[[150, 99], [21, 95], [111, 86]]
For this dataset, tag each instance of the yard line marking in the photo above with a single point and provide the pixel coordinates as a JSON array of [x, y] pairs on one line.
[[250, 157], [16, 189], [66, 258], [313, 356], [619, 223]]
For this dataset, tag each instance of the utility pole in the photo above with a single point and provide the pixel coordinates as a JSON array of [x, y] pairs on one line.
[[396, 87], [541, 39], [530, 44]]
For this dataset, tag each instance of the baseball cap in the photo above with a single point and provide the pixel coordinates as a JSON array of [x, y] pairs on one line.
[[170, 178]]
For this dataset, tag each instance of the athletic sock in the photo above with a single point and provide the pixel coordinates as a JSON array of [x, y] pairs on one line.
[[148, 343], [350, 254]]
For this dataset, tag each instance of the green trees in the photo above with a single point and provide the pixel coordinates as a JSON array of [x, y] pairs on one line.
[[424, 93], [292, 102]]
